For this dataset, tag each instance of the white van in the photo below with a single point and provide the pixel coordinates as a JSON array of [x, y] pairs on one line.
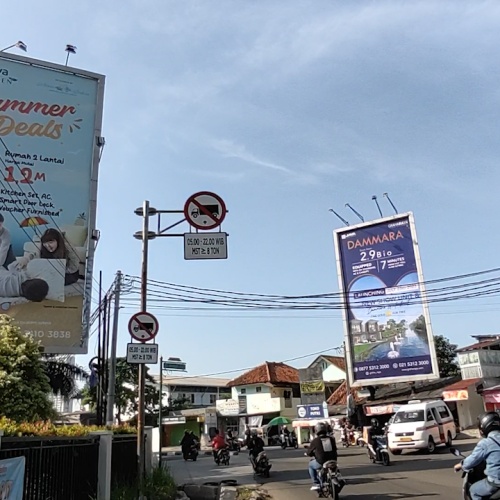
[[421, 425]]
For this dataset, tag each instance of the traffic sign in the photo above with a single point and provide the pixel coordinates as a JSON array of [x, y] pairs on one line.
[[142, 353], [205, 210], [205, 246], [143, 326]]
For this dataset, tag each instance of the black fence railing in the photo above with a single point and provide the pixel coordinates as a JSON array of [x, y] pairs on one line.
[[56, 468], [124, 460]]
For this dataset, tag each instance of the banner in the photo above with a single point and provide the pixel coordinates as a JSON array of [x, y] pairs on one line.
[[50, 121], [12, 478], [312, 411], [312, 387], [386, 321]]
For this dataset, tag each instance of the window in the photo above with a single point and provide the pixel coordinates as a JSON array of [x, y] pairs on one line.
[[243, 391], [213, 398], [191, 397], [409, 416], [430, 418], [288, 398], [258, 389], [443, 411]]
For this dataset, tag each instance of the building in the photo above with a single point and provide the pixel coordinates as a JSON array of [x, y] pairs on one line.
[[259, 395], [481, 359]]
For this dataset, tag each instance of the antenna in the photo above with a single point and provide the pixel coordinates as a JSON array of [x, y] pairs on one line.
[[340, 217], [374, 198], [357, 213], [386, 195]]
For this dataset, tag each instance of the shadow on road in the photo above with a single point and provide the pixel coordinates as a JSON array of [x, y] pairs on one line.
[[393, 496]]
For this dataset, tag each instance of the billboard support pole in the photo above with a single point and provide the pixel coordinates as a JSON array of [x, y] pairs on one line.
[[159, 412], [142, 367], [112, 365]]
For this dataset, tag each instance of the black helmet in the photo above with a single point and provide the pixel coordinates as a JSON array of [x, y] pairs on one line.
[[374, 422], [320, 428], [487, 422]]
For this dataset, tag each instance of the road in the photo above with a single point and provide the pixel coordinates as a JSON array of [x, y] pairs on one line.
[[411, 475]]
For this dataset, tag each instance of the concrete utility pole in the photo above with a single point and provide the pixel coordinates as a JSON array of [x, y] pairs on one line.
[[110, 420]]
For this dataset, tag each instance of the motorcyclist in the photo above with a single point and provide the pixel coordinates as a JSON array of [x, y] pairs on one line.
[[375, 433], [186, 442], [487, 450], [285, 435], [255, 445], [323, 448], [218, 443]]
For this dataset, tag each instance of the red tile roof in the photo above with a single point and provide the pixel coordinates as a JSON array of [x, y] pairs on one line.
[[462, 384], [338, 361], [339, 397], [268, 373], [479, 345]]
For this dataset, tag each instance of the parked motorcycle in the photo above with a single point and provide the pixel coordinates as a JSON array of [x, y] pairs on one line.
[[331, 481], [191, 453], [261, 464], [382, 453], [344, 438], [222, 457], [475, 475]]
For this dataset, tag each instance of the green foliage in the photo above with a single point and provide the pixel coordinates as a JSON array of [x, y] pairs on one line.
[[47, 428], [159, 485], [446, 356], [24, 386], [63, 375]]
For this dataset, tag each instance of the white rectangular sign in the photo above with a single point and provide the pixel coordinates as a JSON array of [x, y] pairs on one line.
[[205, 246], [142, 353]]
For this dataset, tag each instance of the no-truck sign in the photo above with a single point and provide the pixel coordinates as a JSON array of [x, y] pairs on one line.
[[205, 210]]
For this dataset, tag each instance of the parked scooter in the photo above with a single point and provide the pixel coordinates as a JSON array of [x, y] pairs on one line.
[[222, 457], [382, 454], [261, 465], [475, 475]]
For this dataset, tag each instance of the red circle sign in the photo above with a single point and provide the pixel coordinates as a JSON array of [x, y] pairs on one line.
[[205, 210], [143, 326]]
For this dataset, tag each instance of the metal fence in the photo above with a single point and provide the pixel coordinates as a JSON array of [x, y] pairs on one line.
[[56, 468], [124, 460]]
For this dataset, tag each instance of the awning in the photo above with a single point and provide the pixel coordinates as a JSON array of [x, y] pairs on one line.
[[491, 397], [308, 422]]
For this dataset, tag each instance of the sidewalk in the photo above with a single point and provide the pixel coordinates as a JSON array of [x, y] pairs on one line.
[[168, 451]]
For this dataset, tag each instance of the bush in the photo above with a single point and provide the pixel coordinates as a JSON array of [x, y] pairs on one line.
[[159, 485], [47, 428]]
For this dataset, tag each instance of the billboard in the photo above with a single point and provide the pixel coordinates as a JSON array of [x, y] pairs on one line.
[[386, 321], [50, 122]]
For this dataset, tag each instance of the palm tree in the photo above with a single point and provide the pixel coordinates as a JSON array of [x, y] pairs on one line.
[[63, 375]]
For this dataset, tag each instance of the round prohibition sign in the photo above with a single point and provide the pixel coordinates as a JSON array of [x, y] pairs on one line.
[[205, 210], [143, 326]]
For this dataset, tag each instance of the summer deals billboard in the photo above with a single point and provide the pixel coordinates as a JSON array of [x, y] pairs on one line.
[[50, 119], [387, 327]]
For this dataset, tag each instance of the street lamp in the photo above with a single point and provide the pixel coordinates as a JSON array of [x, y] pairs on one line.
[[19, 44]]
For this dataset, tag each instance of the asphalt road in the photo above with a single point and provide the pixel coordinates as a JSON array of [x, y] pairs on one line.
[[411, 475]]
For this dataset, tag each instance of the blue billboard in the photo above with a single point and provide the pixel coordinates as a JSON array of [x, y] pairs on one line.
[[387, 327]]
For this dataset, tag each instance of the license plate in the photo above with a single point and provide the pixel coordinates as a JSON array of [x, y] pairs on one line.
[[405, 439]]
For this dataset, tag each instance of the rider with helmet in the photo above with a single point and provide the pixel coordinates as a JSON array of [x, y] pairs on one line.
[[375, 432], [487, 450], [255, 445], [323, 448]]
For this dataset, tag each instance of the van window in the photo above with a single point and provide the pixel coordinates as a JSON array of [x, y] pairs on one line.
[[409, 416], [430, 417], [443, 411]]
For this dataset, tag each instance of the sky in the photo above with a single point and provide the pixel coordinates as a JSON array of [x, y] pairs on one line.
[[285, 110]]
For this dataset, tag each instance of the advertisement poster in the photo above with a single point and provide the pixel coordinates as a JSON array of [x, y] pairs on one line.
[[12, 478], [50, 118], [388, 332]]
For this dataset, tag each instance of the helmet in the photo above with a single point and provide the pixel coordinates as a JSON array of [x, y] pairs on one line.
[[320, 428], [487, 422], [254, 432], [374, 422]]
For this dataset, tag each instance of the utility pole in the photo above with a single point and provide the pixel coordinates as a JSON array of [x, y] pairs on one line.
[[112, 365], [159, 411], [141, 449]]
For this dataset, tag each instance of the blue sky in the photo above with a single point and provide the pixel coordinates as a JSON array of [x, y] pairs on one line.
[[287, 109]]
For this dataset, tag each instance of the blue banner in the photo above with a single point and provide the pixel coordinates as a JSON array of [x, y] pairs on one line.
[[312, 411], [387, 329], [12, 478]]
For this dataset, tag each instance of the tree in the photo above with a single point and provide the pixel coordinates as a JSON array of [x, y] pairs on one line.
[[63, 375], [446, 356], [24, 385]]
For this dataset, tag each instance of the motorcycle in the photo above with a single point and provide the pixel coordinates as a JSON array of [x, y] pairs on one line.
[[331, 481], [261, 464], [344, 438], [222, 457], [191, 453], [233, 444], [289, 440], [381, 455], [473, 476]]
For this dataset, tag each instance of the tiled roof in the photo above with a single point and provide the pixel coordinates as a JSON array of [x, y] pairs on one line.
[[338, 361], [268, 373], [462, 384], [479, 345], [339, 397]]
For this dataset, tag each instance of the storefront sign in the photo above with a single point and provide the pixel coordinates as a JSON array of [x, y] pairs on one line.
[[12, 478], [173, 420], [381, 409], [492, 397], [312, 411], [386, 321], [50, 125], [455, 395]]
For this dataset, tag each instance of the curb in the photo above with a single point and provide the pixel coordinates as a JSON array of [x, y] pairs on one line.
[[202, 452], [228, 493]]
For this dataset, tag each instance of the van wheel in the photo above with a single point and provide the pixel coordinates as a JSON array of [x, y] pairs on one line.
[[431, 446], [396, 452], [449, 440]]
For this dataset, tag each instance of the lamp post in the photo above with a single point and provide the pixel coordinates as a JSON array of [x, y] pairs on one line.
[[19, 44]]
